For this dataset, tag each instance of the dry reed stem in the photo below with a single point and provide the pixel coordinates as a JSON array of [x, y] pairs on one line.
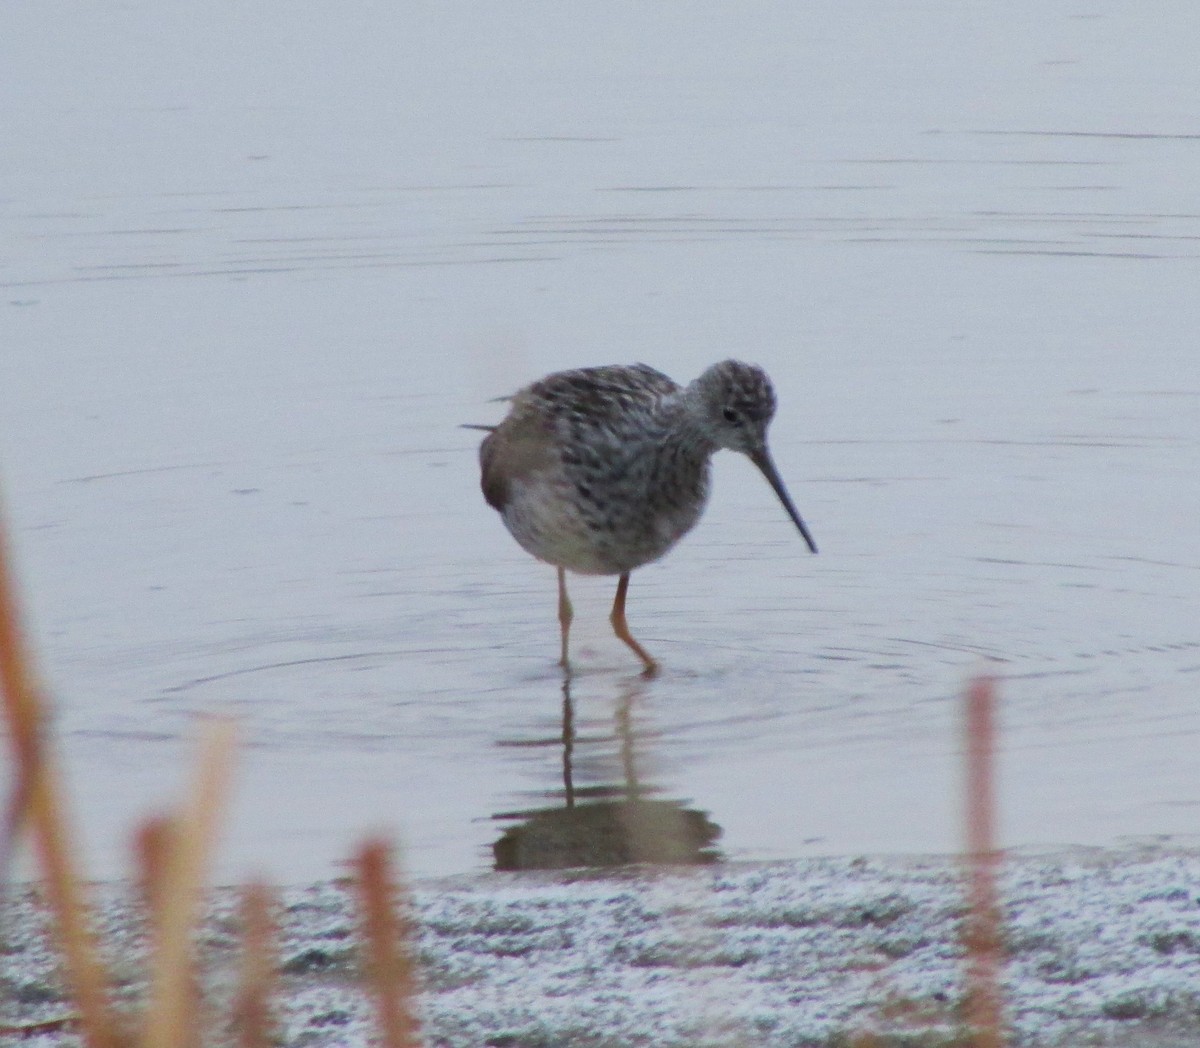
[[16, 808], [252, 1009], [38, 786], [388, 968], [151, 845], [981, 933], [171, 1019]]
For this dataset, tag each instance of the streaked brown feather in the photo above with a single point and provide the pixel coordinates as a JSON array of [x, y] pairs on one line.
[[516, 448]]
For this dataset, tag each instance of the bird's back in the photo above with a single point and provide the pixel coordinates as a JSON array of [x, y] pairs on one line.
[[567, 415], [572, 469], [614, 397]]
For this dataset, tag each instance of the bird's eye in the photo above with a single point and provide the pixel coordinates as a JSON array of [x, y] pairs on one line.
[[732, 417]]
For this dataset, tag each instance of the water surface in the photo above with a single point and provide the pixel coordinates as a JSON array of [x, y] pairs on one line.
[[262, 265]]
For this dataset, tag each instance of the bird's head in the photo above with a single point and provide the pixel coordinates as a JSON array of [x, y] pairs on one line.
[[737, 403]]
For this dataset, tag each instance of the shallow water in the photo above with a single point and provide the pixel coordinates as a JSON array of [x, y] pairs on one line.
[[253, 290]]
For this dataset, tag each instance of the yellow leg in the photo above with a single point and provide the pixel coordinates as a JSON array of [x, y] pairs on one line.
[[565, 614], [621, 627]]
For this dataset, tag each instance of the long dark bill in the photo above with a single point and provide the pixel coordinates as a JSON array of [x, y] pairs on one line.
[[762, 460]]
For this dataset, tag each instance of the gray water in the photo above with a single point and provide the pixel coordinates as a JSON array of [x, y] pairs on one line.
[[261, 264]]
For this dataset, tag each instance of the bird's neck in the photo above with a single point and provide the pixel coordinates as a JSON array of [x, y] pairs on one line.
[[684, 448]]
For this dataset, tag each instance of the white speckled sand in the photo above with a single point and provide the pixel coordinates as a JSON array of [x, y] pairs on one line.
[[1104, 947]]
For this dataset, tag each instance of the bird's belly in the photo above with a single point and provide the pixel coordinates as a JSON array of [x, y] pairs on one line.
[[548, 521]]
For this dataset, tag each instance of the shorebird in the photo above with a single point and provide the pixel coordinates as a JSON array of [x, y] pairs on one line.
[[601, 470]]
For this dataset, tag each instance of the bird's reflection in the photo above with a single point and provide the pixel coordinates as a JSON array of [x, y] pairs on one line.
[[611, 820]]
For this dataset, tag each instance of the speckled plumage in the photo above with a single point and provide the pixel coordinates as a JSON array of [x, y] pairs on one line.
[[601, 470]]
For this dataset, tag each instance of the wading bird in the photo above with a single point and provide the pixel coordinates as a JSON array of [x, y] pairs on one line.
[[601, 470]]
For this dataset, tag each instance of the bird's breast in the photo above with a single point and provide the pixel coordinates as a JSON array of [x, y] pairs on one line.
[[605, 522]]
